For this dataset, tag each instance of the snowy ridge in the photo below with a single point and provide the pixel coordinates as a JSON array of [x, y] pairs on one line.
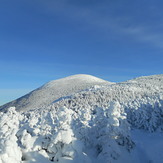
[[91, 125], [53, 90], [142, 101]]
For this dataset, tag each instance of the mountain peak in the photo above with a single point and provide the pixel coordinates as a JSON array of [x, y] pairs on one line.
[[79, 78], [54, 90]]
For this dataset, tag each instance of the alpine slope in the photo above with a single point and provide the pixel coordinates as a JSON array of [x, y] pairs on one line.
[[84, 119]]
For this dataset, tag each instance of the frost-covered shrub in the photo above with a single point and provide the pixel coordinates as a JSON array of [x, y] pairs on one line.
[[111, 130], [9, 125], [64, 135], [147, 115], [142, 99], [70, 134], [49, 135], [61, 142], [106, 130]]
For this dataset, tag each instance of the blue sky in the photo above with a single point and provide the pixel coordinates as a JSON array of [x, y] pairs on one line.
[[45, 40]]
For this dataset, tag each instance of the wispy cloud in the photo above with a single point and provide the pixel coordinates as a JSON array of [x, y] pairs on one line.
[[119, 24], [144, 34]]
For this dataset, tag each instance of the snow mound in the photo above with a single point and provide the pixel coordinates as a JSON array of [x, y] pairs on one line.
[[53, 90]]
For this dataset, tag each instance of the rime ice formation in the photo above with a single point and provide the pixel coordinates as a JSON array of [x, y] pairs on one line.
[[89, 120]]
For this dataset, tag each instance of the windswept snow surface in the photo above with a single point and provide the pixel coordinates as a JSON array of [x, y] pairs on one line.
[[53, 90], [108, 123], [149, 146]]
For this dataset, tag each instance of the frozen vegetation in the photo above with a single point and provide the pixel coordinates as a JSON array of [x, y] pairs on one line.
[[84, 119]]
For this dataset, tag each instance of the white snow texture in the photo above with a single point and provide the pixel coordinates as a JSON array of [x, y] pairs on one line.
[[83, 119]]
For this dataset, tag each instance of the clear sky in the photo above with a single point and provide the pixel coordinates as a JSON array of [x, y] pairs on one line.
[[43, 40]]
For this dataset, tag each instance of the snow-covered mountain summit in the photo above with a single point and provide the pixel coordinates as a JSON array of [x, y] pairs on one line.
[[55, 89], [82, 118]]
